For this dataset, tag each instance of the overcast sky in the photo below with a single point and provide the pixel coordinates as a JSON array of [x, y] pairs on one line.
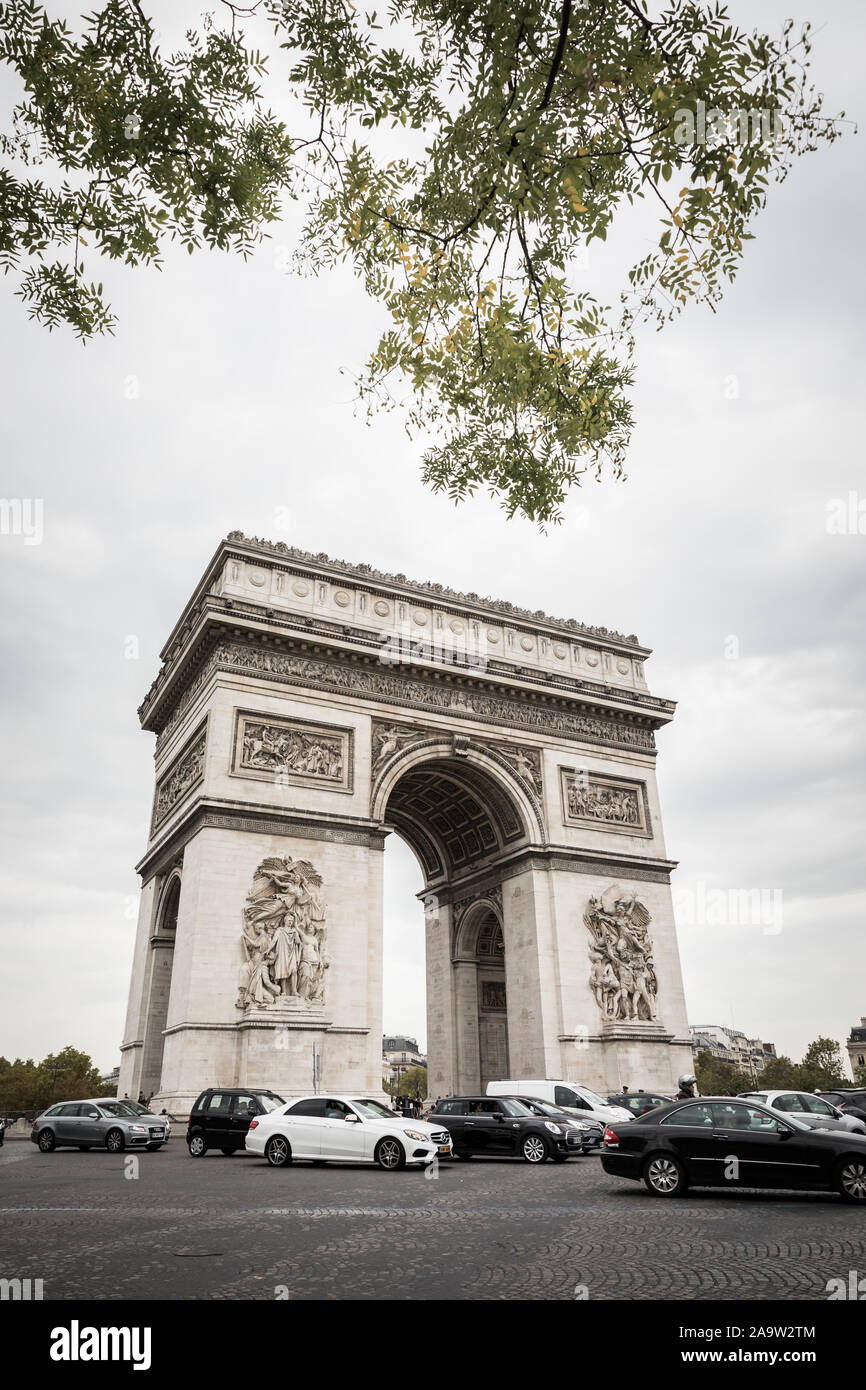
[[220, 401]]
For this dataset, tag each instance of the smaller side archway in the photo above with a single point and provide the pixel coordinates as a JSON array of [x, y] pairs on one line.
[[481, 997], [159, 983]]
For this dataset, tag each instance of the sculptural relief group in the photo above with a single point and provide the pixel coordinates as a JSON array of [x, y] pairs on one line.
[[283, 937], [622, 976]]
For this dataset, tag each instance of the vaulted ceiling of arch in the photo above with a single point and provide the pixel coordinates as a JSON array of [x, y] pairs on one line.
[[452, 815]]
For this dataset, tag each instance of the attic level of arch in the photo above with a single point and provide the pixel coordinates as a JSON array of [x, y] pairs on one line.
[[211, 609]]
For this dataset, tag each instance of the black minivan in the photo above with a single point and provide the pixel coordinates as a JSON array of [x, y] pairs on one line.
[[221, 1117], [503, 1127]]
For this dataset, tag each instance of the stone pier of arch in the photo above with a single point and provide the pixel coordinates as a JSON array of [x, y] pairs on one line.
[[305, 709]]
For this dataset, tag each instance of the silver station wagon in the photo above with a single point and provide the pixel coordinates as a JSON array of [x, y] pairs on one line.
[[97, 1124]]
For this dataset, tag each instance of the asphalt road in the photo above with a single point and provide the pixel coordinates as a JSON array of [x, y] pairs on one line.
[[232, 1228]]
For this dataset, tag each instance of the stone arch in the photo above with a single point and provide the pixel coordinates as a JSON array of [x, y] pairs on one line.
[[168, 906], [159, 976], [474, 787]]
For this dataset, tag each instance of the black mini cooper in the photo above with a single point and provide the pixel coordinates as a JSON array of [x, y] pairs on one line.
[[504, 1128]]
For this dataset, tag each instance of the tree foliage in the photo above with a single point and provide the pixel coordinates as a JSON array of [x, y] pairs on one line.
[[413, 1082], [458, 155], [822, 1069], [29, 1085], [717, 1078]]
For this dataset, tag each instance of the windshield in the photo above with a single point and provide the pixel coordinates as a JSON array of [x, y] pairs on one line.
[[373, 1109], [119, 1108], [515, 1107], [596, 1100], [270, 1102]]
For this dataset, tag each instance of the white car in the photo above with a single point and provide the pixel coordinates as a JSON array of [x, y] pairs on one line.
[[345, 1129], [565, 1095], [818, 1113]]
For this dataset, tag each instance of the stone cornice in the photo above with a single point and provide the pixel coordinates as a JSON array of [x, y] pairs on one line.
[[171, 693], [629, 867], [215, 813]]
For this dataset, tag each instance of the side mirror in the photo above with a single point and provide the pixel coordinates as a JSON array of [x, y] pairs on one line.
[[352, 1119], [93, 1114], [785, 1131]]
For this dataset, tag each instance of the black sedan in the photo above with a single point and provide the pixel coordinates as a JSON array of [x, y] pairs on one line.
[[638, 1102], [719, 1141]]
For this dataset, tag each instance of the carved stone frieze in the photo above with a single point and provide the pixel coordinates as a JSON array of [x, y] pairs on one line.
[[410, 691], [599, 801], [184, 773], [292, 751]]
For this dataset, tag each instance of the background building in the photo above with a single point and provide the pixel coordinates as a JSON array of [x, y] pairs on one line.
[[399, 1055], [750, 1055], [856, 1046]]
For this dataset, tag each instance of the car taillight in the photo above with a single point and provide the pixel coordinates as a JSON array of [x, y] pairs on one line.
[[253, 1124], [610, 1135]]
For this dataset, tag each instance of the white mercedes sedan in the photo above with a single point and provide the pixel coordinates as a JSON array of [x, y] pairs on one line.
[[344, 1129]]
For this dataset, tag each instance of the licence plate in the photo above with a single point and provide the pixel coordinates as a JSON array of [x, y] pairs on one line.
[[445, 1148]]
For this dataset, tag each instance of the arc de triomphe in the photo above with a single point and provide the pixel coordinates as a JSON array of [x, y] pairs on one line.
[[304, 709]]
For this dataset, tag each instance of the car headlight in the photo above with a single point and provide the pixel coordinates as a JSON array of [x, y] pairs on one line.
[[138, 1129], [554, 1129], [419, 1138]]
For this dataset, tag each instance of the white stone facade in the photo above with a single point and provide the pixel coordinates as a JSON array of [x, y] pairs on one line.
[[305, 708]]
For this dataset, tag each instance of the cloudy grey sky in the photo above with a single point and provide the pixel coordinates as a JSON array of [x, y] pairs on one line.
[[220, 401]]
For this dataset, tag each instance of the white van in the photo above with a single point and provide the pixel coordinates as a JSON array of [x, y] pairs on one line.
[[567, 1094]]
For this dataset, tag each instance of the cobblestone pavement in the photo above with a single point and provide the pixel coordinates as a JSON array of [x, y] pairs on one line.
[[232, 1228]]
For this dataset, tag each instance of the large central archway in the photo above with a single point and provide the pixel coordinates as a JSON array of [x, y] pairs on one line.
[[463, 815]]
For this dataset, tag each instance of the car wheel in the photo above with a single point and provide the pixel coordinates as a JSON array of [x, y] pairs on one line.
[[851, 1179], [534, 1149], [46, 1141], [390, 1154], [278, 1151], [114, 1141], [227, 1152], [665, 1176], [197, 1146]]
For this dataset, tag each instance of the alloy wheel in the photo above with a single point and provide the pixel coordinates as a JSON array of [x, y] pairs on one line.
[[853, 1179], [534, 1149], [277, 1151], [390, 1153], [663, 1175]]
